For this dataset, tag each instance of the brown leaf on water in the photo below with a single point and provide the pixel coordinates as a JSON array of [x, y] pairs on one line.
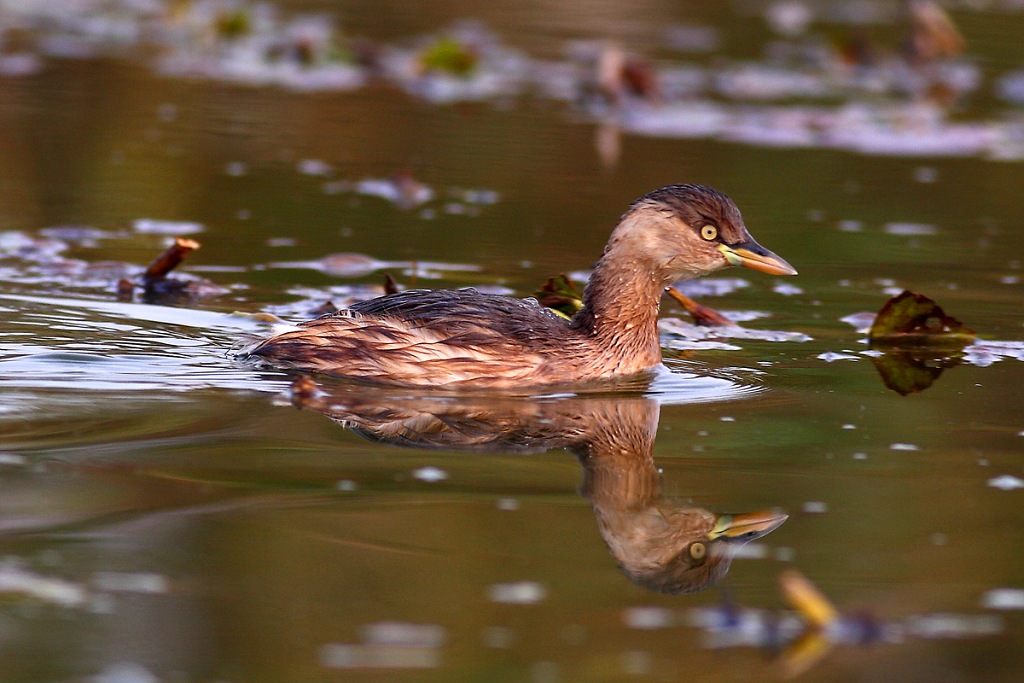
[[909, 371], [559, 294], [702, 315], [911, 320]]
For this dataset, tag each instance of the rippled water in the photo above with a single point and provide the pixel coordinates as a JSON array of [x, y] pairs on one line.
[[169, 513]]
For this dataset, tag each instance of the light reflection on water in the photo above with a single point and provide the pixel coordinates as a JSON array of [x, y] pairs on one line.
[[85, 345]]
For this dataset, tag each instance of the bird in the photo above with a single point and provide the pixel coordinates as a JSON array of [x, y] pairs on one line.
[[660, 543], [466, 339]]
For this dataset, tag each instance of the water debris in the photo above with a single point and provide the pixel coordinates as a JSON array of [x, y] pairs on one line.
[[82, 235], [649, 618], [316, 301], [932, 35], [404, 633], [352, 265], [236, 169], [249, 45], [1003, 599], [909, 229], [517, 593], [402, 190], [860, 321], [810, 602], [131, 582], [917, 366], [709, 286], [389, 645], [985, 353], [430, 474], [914, 320], [15, 579], [911, 371], [904, 447], [560, 295], [124, 672], [679, 334], [1006, 482], [12, 460], [163, 264], [151, 226], [448, 55], [156, 282], [873, 99], [702, 315], [786, 289], [466, 63], [355, 656], [314, 167], [953, 626], [833, 356], [621, 75]]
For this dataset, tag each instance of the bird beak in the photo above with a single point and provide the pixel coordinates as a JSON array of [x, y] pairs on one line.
[[747, 526], [750, 254]]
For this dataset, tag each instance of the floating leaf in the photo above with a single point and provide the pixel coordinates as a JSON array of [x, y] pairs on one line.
[[559, 294], [449, 56], [914, 320], [702, 315], [908, 372]]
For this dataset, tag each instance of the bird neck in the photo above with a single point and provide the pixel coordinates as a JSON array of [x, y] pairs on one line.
[[620, 311]]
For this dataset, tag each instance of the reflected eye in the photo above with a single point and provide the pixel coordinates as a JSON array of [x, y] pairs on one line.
[[698, 551], [709, 232]]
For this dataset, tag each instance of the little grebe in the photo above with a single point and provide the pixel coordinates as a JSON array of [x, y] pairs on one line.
[[467, 339]]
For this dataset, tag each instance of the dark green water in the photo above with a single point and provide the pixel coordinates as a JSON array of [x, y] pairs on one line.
[[166, 514]]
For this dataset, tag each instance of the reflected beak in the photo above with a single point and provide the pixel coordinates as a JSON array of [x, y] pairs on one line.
[[750, 254], [747, 526]]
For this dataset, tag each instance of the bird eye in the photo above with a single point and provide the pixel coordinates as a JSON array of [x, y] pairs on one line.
[[698, 551], [709, 232]]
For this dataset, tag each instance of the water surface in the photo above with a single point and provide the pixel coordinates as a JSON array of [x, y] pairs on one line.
[[167, 513]]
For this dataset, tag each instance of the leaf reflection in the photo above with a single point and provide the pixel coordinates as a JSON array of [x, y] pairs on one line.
[[660, 544]]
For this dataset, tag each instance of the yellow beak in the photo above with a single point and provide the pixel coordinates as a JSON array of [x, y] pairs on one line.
[[750, 254], [747, 526]]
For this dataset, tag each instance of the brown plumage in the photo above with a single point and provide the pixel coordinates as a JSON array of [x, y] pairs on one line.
[[660, 543], [463, 338]]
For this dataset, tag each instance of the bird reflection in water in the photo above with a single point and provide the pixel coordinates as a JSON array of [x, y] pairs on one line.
[[662, 545]]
